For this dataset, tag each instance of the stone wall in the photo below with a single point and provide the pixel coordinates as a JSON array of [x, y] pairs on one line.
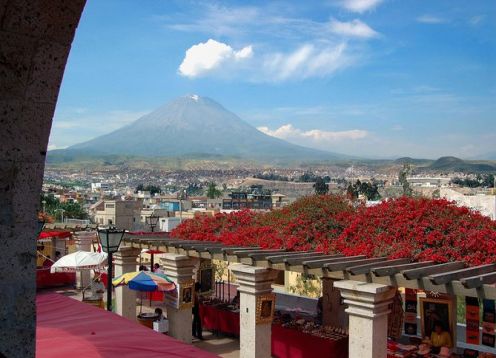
[[35, 39]]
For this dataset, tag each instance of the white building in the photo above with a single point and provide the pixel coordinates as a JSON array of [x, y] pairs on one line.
[[483, 203]]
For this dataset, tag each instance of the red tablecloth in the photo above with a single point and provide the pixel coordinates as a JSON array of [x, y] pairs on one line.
[[290, 343], [68, 328], [45, 279], [218, 320]]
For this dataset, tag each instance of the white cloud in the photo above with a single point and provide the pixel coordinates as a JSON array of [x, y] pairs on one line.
[[359, 6], [355, 28], [431, 19], [307, 61], [476, 20], [314, 137], [207, 56]]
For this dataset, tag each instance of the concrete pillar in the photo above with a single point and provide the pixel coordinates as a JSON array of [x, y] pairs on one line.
[[254, 284], [125, 260], [180, 269], [368, 309], [83, 243], [333, 309], [35, 39]]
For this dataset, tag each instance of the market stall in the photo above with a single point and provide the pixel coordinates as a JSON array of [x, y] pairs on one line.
[[220, 317]]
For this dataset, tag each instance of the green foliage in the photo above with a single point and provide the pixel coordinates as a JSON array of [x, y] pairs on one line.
[[481, 180], [153, 189], [53, 207], [307, 285], [370, 190], [320, 186], [212, 191], [402, 177]]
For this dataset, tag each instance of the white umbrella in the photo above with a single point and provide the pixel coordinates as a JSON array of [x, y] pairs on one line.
[[80, 260]]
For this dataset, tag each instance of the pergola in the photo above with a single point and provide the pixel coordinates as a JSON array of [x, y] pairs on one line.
[[367, 285], [452, 278]]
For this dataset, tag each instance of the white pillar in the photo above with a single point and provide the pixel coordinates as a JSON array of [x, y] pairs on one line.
[[254, 282], [180, 269], [83, 243], [368, 309], [125, 260]]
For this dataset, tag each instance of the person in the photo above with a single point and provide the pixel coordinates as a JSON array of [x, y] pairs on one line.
[[143, 268], [235, 300], [57, 256], [157, 269], [440, 337], [197, 325], [319, 317], [97, 289], [159, 314]]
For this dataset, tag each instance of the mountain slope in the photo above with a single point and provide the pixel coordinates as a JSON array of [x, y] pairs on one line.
[[460, 165], [193, 125]]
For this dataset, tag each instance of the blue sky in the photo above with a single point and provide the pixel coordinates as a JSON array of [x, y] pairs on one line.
[[374, 78]]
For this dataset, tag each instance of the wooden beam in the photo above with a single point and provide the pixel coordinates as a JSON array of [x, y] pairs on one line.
[[230, 250], [444, 278], [415, 274], [312, 264], [479, 280], [344, 264], [263, 255], [275, 259], [364, 269], [295, 261], [247, 253], [394, 269]]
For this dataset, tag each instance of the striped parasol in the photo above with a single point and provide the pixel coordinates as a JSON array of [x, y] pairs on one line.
[[145, 281]]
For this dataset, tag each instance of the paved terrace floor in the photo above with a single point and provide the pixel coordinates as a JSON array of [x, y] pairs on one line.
[[225, 347]]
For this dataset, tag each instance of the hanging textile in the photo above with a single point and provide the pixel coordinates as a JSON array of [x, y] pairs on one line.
[[410, 312], [395, 317], [472, 320], [488, 320]]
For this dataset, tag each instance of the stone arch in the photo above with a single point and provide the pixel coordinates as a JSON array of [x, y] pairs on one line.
[[35, 40]]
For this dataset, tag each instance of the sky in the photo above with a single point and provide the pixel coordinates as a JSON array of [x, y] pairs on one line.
[[371, 78]]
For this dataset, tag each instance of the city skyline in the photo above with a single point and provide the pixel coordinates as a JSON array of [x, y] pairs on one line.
[[368, 78]]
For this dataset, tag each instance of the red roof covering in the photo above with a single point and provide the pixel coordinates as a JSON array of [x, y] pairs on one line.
[[54, 234], [66, 327]]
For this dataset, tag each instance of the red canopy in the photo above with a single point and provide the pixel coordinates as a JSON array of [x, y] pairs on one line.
[[54, 234], [66, 327]]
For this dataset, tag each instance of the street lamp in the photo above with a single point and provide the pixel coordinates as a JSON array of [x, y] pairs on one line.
[[152, 220], [39, 228], [110, 239]]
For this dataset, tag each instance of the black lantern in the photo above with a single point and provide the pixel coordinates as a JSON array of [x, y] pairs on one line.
[[152, 220], [110, 240], [40, 227]]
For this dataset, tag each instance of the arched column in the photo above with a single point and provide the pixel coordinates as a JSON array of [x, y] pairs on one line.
[[35, 39]]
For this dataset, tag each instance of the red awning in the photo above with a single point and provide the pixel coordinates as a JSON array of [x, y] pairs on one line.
[[54, 234], [66, 327]]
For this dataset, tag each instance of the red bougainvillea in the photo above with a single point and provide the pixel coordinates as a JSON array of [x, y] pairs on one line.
[[421, 229], [417, 228], [309, 223]]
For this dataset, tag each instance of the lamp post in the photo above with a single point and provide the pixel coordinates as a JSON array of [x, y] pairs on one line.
[[152, 220], [110, 239]]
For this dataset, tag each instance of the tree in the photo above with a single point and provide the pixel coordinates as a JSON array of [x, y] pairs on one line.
[[212, 191], [402, 178], [320, 186]]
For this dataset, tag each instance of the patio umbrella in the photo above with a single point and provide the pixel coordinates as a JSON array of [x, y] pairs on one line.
[[145, 281], [79, 260]]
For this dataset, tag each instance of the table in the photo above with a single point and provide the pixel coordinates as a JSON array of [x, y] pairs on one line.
[[291, 343], [219, 320], [46, 279]]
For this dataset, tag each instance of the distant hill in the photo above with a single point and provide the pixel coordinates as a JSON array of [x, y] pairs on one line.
[[459, 165], [191, 126], [413, 161]]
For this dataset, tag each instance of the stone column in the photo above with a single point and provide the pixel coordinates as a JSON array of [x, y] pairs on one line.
[[125, 260], [180, 269], [83, 243], [255, 339], [35, 39], [368, 309]]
